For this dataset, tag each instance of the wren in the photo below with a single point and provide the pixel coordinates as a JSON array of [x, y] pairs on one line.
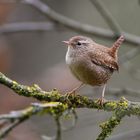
[[92, 63]]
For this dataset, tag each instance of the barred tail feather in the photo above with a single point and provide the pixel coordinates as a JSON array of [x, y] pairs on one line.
[[117, 44]]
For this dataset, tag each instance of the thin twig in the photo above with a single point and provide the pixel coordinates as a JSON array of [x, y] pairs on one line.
[[129, 55], [10, 1], [4, 132], [116, 118], [17, 117], [110, 20], [121, 108], [46, 26], [59, 133], [26, 26], [77, 26], [69, 114]]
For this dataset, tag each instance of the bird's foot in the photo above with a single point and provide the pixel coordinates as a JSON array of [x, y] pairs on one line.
[[101, 101], [73, 92]]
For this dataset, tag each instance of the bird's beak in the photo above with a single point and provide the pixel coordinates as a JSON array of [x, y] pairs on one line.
[[66, 42]]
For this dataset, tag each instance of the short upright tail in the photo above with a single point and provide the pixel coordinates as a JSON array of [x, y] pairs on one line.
[[119, 41], [115, 46]]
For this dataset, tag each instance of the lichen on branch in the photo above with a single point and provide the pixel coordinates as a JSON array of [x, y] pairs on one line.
[[57, 103]]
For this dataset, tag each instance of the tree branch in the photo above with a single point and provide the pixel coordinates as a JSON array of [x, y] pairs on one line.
[[9, 1], [129, 55], [56, 102], [17, 117], [47, 26], [114, 26], [108, 126], [120, 108], [77, 26], [62, 20], [26, 26]]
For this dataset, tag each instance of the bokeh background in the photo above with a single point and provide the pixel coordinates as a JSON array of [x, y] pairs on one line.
[[39, 57]]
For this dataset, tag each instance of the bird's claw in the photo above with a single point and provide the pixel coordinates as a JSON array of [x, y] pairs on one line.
[[101, 101], [70, 93]]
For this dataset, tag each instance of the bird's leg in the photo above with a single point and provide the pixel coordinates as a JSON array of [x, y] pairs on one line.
[[75, 89], [101, 100]]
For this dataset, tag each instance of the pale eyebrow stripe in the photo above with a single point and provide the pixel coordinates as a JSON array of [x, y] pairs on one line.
[[84, 41]]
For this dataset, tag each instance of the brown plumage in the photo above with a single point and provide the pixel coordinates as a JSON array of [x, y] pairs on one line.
[[92, 63]]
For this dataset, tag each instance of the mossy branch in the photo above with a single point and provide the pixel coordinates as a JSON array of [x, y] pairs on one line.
[[16, 117], [57, 103]]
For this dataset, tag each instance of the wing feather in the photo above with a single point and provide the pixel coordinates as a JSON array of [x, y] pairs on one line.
[[102, 58]]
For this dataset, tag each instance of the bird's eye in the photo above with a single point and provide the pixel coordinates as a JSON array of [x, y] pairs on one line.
[[79, 43]]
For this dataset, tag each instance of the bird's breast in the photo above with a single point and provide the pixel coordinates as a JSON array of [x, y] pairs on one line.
[[70, 56], [86, 71]]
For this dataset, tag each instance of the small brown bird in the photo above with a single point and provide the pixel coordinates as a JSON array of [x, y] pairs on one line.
[[92, 63]]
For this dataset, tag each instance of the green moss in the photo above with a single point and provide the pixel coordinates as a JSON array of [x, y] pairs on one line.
[[111, 105], [58, 110], [107, 127], [119, 108], [30, 89], [113, 121], [27, 111], [15, 83], [123, 103]]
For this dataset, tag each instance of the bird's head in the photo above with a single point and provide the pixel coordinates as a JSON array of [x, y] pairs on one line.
[[78, 42]]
